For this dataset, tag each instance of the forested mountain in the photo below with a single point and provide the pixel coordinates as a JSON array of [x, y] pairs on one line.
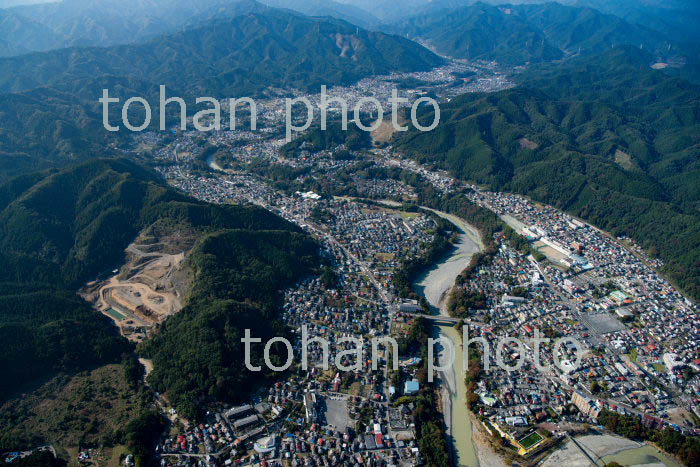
[[481, 32], [604, 137], [676, 19], [49, 114], [54, 25], [390, 10], [53, 127], [59, 230], [198, 354], [233, 57], [666, 108], [48, 128], [349, 13], [22, 35], [585, 30], [517, 34]]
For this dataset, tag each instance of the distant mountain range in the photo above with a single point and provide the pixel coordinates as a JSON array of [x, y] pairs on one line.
[[49, 114], [481, 32], [237, 56], [515, 32], [604, 137], [518, 34], [11, 3], [350, 13], [679, 20], [89, 23], [111, 22]]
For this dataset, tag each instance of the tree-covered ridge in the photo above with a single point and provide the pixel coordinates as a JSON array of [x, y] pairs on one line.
[[225, 58], [82, 23], [617, 146], [584, 30], [61, 229], [45, 331], [85, 23], [198, 354], [532, 33], [53, 127], [481, 32], [75, 223], [108, 402], [677, 18], [47, 128]]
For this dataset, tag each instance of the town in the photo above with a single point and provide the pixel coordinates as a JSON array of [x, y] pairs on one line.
[[639, 336]]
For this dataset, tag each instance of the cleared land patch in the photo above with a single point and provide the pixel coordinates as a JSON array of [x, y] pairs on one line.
[[624, 160], [151, 285]]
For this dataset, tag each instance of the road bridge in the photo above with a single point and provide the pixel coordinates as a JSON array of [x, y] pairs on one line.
[[434, 318]]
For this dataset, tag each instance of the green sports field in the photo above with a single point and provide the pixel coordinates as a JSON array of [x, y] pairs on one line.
[[530, 440]]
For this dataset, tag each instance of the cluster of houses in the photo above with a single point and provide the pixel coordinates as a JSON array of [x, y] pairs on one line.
[[635, 336]]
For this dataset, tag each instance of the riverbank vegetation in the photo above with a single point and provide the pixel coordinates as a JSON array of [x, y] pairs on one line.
[[410, 268], [492, 231], [430, 425]]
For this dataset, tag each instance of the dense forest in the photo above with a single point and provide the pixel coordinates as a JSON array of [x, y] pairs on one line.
[[605, 138], [111, 397], [45, 331]]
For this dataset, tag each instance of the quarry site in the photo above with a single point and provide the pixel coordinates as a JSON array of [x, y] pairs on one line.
[[150, 286]]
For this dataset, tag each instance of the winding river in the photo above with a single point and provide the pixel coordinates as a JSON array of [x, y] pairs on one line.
[[435, 286]]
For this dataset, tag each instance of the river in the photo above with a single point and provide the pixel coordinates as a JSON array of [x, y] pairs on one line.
[[435, 285]]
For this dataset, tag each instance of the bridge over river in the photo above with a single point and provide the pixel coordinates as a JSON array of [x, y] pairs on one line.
[[435, 318]]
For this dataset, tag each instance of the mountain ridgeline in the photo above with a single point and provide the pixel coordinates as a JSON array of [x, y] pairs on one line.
[[50, 117], [605, 138], [233, 57], [61, 229], [533, 33], [86, 23], [481, 32], [677, 19]]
